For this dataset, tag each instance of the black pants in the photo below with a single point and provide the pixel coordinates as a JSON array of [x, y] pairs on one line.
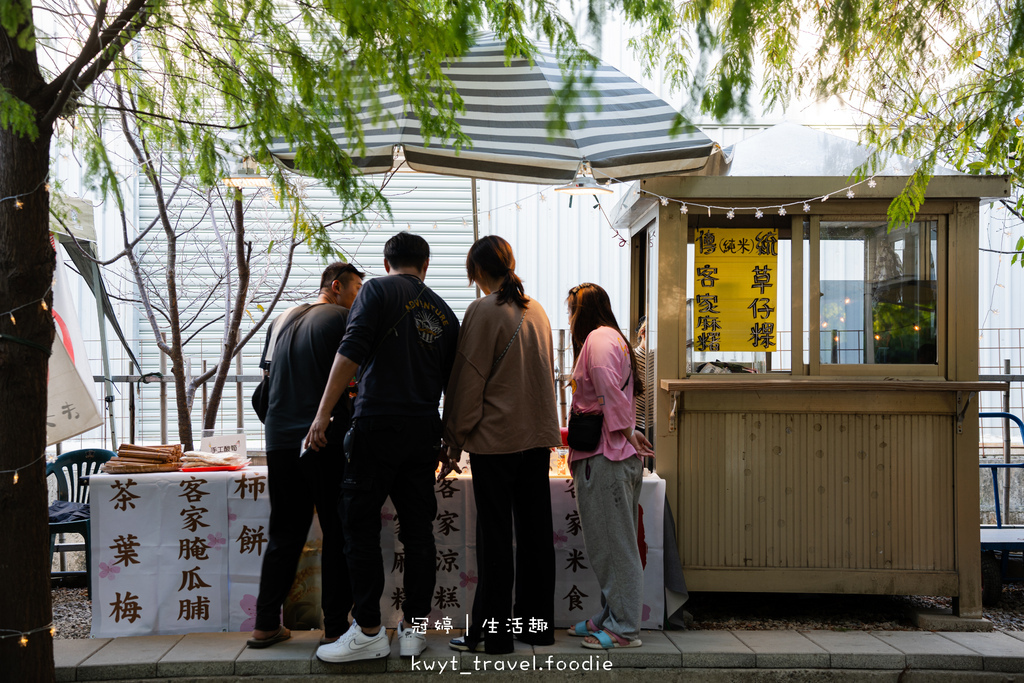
[[391, 456], [513, 489], [297, 484]]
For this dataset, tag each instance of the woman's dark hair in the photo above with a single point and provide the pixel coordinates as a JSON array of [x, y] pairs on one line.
[[493, 255], [589, 309]]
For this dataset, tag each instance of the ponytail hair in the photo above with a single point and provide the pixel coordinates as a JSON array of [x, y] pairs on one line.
[[493, 255]]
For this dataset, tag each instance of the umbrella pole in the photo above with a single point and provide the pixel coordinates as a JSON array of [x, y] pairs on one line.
[[108, 396], [476, 223]]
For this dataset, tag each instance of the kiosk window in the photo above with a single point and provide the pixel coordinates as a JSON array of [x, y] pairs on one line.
[[878, 293]]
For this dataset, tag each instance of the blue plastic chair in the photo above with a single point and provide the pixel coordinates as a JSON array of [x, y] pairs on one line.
[[71, 471]]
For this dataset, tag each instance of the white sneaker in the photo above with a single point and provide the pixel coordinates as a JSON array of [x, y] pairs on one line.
[[410, 641], [356, 645]]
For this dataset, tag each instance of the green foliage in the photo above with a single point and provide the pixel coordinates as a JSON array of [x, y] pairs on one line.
[[939, 80], [17, 116], [16, 20], [208, 81]]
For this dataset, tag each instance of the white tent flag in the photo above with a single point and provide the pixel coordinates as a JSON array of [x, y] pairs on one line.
[[70, 404]]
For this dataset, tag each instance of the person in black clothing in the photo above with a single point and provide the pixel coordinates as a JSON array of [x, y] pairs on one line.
[[404, 337], [300, 354]]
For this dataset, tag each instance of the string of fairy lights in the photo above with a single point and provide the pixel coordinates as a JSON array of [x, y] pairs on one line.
[[759, 211], [22, 636]]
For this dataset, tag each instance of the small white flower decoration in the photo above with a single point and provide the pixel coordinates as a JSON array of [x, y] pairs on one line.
[[758, 214], [684, 210], [872, 183], [664, 201], [782, 211], [807, 207], [730, 214], [849, 194]]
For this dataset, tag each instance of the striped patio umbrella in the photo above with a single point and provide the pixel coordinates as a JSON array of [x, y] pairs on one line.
[[620, 130]]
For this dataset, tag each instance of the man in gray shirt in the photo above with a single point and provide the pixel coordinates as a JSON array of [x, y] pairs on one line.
[[304, 347]]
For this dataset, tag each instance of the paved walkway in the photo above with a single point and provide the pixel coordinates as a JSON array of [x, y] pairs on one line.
[[707, 656]]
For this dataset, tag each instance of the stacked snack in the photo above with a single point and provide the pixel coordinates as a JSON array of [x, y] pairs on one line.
[[133, 459], [193, 459]]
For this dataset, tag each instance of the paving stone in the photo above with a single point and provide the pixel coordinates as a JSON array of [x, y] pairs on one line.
[[1019, 635], [437, 658], [657, 652], [202, 654], [927, 650], [292, 657], [857, 650], [68, 654], [784, 650], [1001, 652], [711, 649], [365, 666], [943, 619], [130, 657]]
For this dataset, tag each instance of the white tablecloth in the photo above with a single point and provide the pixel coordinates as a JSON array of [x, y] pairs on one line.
[[181, 552]]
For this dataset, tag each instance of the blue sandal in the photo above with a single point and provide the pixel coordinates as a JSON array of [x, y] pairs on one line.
[[582, 629], [607, 640]]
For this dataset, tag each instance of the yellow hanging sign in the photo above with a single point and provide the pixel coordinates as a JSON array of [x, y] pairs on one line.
[[735, 289]]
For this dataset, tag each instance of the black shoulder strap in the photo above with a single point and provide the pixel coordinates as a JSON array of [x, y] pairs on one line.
[[509, 345]]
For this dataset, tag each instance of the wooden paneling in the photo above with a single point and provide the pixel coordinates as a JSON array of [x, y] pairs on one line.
[[823, 491]]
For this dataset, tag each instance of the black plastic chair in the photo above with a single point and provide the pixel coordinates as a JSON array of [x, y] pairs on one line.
[[71, 470]]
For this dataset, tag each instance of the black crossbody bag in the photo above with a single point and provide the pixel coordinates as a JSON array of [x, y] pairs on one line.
[[585, 428]]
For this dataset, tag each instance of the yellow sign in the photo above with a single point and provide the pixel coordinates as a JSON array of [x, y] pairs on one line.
[[735, 289]]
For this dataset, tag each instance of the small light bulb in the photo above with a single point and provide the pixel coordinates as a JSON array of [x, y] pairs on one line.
[[543, 197], [13, 321], [684, 209], [18, 204], [24, 641], [878, 337], [45, 307], [664, 201], [847, 300], [15, 477], [519, 207], [53, 631], [917, 328]]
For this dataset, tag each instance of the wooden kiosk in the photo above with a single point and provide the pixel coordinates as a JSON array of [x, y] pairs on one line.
[[839, 453]]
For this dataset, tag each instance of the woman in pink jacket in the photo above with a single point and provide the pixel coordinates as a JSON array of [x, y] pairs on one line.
[[608, 477]]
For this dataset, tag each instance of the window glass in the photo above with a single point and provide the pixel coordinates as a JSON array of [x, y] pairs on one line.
[[878, 293]]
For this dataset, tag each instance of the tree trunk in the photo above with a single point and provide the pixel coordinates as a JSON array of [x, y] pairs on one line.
[[234, 321], [27, 261]]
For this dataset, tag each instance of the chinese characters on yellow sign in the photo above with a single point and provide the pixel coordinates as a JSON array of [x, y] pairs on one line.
[[735, 289]]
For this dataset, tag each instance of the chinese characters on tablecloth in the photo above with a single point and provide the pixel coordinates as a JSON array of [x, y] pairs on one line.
[[177, 552], [161, 546], [735, 289]]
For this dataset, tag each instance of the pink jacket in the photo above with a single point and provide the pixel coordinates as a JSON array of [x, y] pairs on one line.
[[597, 385]]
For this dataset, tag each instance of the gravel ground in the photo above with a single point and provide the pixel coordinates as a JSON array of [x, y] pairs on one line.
[[782, 611], [760, 611]]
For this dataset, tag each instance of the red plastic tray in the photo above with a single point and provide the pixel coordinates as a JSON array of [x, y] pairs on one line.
[[221, 468]]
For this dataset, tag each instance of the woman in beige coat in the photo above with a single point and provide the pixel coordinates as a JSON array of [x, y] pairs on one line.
[[500, 407]]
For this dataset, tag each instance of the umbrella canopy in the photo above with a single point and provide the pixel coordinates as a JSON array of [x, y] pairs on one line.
[[621, 129]]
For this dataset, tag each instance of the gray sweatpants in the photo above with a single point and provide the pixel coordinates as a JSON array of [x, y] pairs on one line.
[[608, 498]]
